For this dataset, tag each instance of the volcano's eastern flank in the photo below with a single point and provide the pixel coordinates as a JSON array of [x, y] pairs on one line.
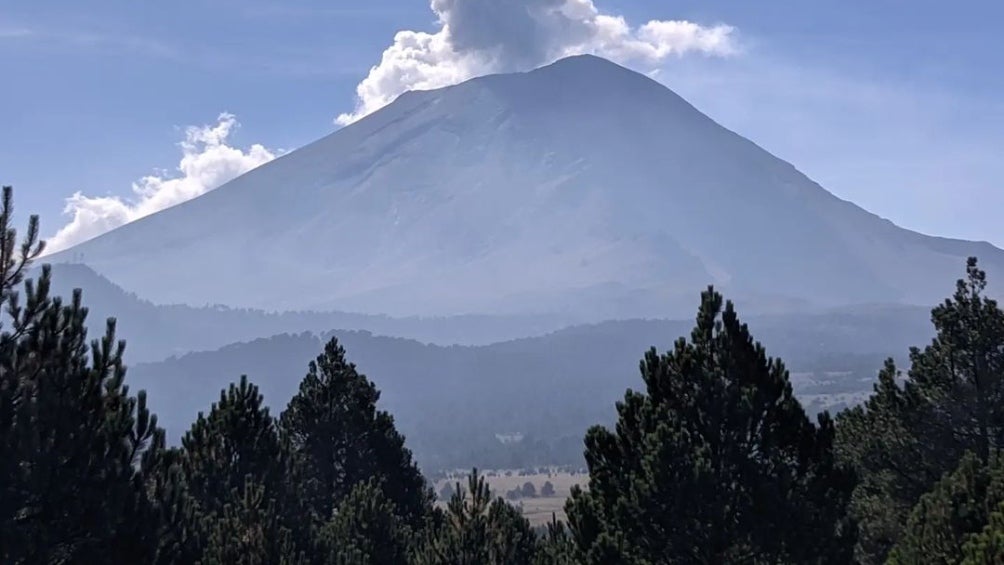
[[581, 186]]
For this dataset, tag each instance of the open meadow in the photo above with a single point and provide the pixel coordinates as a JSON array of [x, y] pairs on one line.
[[538, 509]]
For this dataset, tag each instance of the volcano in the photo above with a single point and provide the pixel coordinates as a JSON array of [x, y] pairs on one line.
[[581, 187]]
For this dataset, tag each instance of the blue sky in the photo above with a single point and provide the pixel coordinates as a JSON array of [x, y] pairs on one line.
[[894, 105]]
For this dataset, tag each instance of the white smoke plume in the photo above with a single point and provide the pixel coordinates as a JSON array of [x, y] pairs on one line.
[[478, 37]]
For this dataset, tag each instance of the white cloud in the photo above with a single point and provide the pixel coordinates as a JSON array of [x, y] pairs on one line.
[[478, 37], [206, 163]]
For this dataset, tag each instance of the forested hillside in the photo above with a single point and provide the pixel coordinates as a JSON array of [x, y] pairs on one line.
[[452, 401]]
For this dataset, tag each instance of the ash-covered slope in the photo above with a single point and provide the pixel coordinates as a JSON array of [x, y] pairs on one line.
[[581, 187]]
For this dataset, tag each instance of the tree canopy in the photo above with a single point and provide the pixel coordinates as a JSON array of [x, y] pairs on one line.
[[915, 428], [715, 462]]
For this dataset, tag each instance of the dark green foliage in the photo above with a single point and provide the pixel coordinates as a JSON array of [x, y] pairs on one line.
[[15, 256], [987, 546], [555, 547], [237, 439], [907, 436], [958, 506], [875, 439], [365, 529], [237, 442], [175, 513], [478, 530], [715, 463], [547, 490], [75, 446], [341, 440], [249, 531]]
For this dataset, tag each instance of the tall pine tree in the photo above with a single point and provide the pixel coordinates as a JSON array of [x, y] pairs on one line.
[[716, 462], [909, 434], [75, 446], [340, 440], [235, 464]]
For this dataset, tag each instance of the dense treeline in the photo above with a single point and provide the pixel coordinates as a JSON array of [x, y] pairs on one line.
[[548, 389], [713, 461]]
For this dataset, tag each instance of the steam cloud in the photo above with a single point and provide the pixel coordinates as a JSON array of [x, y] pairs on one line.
[[479, 37], [206, 163], [475, 37]]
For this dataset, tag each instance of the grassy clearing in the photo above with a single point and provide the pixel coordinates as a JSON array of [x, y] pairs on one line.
[[538, 510]]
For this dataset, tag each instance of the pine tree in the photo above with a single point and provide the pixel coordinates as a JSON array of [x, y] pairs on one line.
[[341, 440], [249, 531], [907, 436], [15, 259], [237, 439], [235, 450], [174, 510], [716, 462], [987, 546], [555, 547], [365, 529], [73, 441], [478, 531], [957, 507], [876, 440]]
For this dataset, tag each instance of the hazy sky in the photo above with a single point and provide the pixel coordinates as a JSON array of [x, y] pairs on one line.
[[895, 105]]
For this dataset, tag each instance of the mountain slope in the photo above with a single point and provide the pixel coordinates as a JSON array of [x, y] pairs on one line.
[[581, 187]]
